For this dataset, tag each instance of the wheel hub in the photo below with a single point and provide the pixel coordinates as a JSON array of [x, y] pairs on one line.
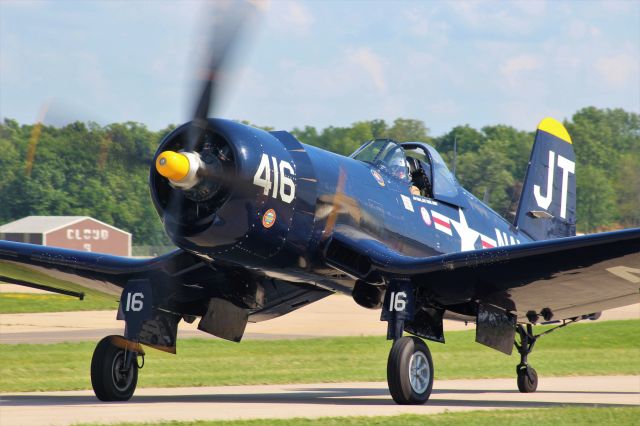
[[122, 377], [419, 373]]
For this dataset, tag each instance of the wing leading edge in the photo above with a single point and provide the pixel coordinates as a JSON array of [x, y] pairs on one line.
[[180, 283], [74, 272], [568, 276]]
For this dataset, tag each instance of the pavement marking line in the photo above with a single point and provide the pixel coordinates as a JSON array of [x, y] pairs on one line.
[[310, 400]]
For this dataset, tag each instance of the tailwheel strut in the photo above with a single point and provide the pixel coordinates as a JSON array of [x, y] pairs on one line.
[[527, 375]]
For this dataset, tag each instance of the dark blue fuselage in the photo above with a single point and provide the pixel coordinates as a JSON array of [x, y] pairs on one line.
[[261, 227]]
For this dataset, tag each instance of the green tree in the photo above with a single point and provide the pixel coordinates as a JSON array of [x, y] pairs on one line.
[[102, 171], [487, 172], [627, 188], [408, 130], [596, 199]]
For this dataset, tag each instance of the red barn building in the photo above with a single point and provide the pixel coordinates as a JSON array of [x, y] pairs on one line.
[[72, 232]]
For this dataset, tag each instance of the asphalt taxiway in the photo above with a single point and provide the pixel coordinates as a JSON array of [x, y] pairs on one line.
[[310, 400]]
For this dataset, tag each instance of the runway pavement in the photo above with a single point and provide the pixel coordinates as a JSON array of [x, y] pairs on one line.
[[337, 315], [310, 400]]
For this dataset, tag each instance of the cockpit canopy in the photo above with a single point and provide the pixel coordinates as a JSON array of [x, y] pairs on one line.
[[386, 155], [415, 163]]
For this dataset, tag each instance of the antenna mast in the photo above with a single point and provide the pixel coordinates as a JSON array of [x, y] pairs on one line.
[[455, 154]]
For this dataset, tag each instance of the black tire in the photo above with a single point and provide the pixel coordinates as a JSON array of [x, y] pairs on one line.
[[108, 381], [527, 383], [399, 374]]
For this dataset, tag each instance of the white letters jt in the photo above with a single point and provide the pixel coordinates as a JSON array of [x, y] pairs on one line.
[[567, 167], [545, 201]]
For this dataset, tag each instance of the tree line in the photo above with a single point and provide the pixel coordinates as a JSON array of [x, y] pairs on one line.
[[102, 171]]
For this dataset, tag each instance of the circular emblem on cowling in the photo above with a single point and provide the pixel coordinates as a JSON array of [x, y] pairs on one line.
[[269, 218], [376, 174], [425, 216]]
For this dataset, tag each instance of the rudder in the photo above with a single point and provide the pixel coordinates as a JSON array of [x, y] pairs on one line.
[[547, 207]]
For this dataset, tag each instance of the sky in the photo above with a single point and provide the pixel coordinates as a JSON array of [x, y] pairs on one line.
[[323, 63]]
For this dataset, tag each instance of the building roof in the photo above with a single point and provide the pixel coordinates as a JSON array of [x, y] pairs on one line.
[[45, 224]]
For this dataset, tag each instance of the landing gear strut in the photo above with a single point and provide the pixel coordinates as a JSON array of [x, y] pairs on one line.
[[114, 365], [409, 367], [114, 369]]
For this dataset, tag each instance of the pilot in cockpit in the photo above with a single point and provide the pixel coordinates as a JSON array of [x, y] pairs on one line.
[[410, 170], [400, 169], [389, 157], [420, 184], [397, 165]]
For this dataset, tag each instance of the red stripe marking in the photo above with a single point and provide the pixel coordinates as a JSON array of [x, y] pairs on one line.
[[441, 222], [486, 244]]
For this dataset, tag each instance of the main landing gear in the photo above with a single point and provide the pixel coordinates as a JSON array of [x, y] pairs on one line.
[[410, 371], [114, 369], [409, 367]]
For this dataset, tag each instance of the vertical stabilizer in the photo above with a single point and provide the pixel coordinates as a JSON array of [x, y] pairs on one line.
[[547, 207]]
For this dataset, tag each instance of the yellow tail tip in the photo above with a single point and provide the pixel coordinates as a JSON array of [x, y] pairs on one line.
[[556, 128], [172, 165]]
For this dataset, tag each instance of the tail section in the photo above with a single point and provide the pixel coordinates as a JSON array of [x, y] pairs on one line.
[[547, 207]]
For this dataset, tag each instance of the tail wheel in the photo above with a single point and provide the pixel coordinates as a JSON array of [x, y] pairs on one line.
[[527, 379], [110, 379], [410, 371]]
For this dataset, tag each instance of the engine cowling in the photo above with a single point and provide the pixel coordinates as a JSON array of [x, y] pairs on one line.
[[240, 202]]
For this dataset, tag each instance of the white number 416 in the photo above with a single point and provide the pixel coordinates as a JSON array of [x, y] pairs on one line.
[[282, 183]]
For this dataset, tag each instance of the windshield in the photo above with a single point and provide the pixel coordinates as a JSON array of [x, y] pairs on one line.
[[386, 155], [369, 151]]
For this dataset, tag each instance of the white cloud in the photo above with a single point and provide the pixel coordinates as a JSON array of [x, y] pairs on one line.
[[578, 30], [517, 66], [426, 24], [532, 8], [297, 17], [619, 6], [502, 17], [525, 113], [372, 65], [418, 23], [446, 107], [617, 70]]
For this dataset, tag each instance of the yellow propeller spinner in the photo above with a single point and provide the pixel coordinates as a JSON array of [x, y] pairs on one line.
[[173, 165]]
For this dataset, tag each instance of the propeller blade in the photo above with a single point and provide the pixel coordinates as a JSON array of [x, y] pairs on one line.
[[228, 21], [337, 204]]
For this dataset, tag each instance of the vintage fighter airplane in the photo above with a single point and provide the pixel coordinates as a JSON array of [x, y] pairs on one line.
[[266, 224]]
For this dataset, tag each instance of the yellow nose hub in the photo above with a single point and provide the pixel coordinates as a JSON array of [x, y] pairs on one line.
[[173, 165]]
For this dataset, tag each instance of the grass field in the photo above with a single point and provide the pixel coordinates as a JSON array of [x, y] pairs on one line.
[[19, 303], [12, 303], [538, 416], [606, 348]]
